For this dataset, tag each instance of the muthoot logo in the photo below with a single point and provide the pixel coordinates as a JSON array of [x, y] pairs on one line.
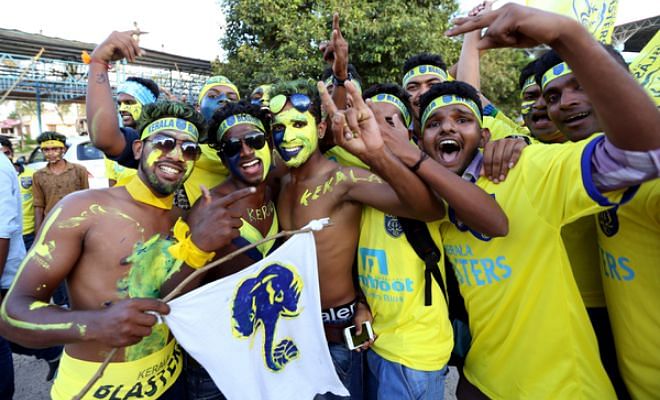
[[374, 273]]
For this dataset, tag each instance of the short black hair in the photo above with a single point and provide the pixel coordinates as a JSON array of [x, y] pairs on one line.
[[457, 88], [302, 86], [424, 59], [551, 58], [389, 88], [50, 135], [327, 73], [234, 108], [148, 83], [527, 71], [4, 141], [166, 108]]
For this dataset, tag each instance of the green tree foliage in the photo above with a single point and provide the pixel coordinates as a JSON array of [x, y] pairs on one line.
[[271, 40], [500, 70]]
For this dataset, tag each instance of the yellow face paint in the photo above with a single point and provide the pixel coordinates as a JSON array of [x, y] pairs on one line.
[[134, 109], [295, 136], [82, 329]]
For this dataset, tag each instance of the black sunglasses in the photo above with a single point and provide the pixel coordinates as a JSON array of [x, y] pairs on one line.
[[190, 150], [232, 146]]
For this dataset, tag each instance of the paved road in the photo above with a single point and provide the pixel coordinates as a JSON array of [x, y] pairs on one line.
[[30, 379]]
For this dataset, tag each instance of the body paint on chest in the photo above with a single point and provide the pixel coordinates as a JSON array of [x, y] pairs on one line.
[[327, 186]]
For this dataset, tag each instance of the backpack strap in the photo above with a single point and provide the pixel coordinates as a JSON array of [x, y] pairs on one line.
[[419, 237]]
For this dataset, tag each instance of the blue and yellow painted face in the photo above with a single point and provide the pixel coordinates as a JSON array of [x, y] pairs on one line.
[[295, 135], [246, 152]]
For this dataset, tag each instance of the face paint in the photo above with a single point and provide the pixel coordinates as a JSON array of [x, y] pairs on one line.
[[210, 105], [263, 154], [148, 168], [134, 109], [295, 136], [82, 329]]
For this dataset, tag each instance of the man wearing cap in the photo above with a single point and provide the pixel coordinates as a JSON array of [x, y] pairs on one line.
[[57, 179], [115, 247]]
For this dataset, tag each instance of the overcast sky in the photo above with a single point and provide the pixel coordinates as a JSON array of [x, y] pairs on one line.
[[190, 28]]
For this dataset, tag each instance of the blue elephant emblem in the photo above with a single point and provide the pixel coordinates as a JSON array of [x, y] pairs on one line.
[[260, 302]]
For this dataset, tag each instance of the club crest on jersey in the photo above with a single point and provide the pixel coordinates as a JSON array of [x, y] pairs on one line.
[[26, 182], [609, 222], [393, 226]]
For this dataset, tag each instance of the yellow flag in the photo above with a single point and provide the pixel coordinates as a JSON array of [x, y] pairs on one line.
[[598, 16], [646, 68]]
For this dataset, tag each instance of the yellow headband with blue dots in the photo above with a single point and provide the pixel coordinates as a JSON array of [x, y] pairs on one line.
[[396, 102], [239, 119], [555, 72], [170, 123], [446, 100], [425, 70]]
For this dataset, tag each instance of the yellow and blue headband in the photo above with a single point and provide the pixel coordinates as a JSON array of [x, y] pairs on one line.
[[530, 81], [141, 94], [51, 143], [555, 72], [217, 80], [396, 102], [425, 70], [170, 123], [239, 119], [446, 100]]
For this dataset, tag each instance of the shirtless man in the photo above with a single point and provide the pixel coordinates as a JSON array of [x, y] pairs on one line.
[[113, 248], [317, 187]]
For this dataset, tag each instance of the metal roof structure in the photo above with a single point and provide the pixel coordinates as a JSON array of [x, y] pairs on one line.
[[60, 76]]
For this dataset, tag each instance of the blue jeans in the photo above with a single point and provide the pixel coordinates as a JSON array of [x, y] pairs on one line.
[[348, 365], [199, 384], [388, 380], [6, 370]]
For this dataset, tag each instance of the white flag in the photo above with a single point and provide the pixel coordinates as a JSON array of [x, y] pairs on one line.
[[259, 332]]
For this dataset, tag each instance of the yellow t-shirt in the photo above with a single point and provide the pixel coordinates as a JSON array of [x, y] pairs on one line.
[[629, 240], [118, 173], [582, 249], [25, 181], [391, 276], [209, 171], [531, 336], [500, 126]]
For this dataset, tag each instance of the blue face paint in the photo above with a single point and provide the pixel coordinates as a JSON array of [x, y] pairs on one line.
[[233, 166], [278, 137], [210, 105]]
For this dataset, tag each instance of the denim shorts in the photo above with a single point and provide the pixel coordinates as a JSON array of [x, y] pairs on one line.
[[348, 365], [389, 380]]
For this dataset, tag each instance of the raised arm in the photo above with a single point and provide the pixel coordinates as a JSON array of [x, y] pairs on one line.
[[628, 116], [28, 317], [472, 205], [101, 111], [356, 130]]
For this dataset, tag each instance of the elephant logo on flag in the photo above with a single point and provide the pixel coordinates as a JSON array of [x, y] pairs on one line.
[[260, 302]]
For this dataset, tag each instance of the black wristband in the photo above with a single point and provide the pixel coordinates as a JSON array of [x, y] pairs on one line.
[[423, 156], [340, 82], [520, 137]]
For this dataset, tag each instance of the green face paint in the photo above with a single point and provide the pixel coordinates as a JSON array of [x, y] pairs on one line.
[[295, 136], [151, 266], [82, 329]]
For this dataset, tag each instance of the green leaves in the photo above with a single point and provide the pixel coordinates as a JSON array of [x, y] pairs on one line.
[[268, 41]]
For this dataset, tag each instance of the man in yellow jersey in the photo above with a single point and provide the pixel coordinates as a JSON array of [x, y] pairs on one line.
[[116, 142], [627, 237], [409, 359], [531, 336], [114, 248], [533, 109]]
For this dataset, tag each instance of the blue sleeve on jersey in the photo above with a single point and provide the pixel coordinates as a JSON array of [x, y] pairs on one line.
[[588, 181]]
